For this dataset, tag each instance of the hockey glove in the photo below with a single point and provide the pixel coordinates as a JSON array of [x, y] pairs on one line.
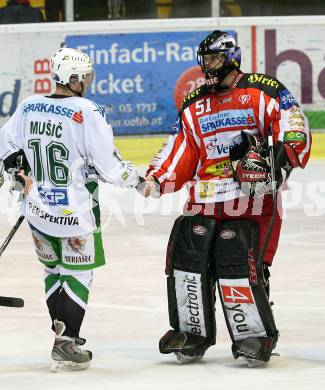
[[250, 165], [17, 167], [16, 161], [285, 160]]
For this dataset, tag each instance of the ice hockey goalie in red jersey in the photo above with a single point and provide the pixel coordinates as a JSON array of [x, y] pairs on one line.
[[237, 140]]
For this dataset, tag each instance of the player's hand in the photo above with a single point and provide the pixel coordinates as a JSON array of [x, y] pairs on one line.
[[25, 181], [149, 187], [141, 187], [153, 187]]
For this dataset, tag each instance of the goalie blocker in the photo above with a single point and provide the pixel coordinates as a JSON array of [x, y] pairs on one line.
[[200, 253]]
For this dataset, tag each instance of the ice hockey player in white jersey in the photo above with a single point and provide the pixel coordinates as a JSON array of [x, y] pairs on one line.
[[68, 144]]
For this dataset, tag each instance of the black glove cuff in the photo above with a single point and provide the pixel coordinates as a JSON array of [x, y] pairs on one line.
[[19, 183], [17, 161]]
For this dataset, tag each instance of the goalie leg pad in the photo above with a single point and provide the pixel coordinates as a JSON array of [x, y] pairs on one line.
[[190, 286], [242, 291]]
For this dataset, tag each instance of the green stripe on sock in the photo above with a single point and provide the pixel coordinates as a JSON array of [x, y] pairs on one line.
[[93, 188], [78, 288], [50, 281]]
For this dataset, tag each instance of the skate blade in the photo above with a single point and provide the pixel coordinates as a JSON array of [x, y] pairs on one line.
[[183, 359], [59, 365], [253, 363]]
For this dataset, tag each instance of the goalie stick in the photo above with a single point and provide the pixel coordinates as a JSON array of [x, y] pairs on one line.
[[9, 301], [275, 199]]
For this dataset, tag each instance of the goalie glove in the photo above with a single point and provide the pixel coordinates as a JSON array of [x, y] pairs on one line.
[[250, 165], [285, 160]]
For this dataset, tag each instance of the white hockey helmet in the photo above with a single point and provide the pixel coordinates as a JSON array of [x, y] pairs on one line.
[[68, 62]]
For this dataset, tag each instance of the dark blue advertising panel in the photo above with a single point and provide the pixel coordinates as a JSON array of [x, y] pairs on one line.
[[142, 78]]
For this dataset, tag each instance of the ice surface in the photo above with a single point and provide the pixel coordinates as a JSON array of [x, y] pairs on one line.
[[128, 309]]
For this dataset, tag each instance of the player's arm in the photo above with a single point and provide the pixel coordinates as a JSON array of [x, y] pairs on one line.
[[10, 134], [12, 156], [291, 139], [103, 154], [290, 126], [176, 163], [291, 134]]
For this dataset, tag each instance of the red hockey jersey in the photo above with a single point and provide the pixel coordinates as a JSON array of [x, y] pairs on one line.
[[210, 124]]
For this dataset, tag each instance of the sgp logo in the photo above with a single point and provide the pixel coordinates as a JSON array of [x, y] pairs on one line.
[[54, 196]]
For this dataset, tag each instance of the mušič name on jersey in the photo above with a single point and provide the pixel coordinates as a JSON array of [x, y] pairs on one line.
[[68, 144]]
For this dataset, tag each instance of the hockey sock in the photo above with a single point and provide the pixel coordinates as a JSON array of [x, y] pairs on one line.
[[52, 290], [73, 299]]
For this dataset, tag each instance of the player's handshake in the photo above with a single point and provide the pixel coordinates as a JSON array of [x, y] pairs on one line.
[[148, 187]]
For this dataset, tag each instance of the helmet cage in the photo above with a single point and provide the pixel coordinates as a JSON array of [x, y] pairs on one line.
[[219, 44]]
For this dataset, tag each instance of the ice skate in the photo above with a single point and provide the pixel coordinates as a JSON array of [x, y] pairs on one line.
[[253, 363], [187, 347], [66, 353], [256, 351]]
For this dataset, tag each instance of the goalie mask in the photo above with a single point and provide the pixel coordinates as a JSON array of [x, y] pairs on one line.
[[218, 54], [70, 66]]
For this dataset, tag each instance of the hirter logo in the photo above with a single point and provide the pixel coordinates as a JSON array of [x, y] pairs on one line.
[[78, 117], [237, 294]]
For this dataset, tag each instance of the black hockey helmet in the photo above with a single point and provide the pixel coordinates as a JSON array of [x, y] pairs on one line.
[[218, 54]]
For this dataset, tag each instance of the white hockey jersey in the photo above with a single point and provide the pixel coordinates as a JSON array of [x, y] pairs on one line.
[[67, 143]]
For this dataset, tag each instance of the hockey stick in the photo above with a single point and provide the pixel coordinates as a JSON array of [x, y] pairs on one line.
[[9, 301], [275, 201], [11, 234]]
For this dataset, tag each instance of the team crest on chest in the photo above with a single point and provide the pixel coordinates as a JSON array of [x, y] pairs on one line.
[[243, 99]]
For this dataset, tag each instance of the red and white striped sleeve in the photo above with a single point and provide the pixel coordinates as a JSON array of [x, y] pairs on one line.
[[175, 164], [289, 125]]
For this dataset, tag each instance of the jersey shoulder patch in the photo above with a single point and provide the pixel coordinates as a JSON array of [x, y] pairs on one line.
[[193, 96], [100, 109], [268, 84]]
